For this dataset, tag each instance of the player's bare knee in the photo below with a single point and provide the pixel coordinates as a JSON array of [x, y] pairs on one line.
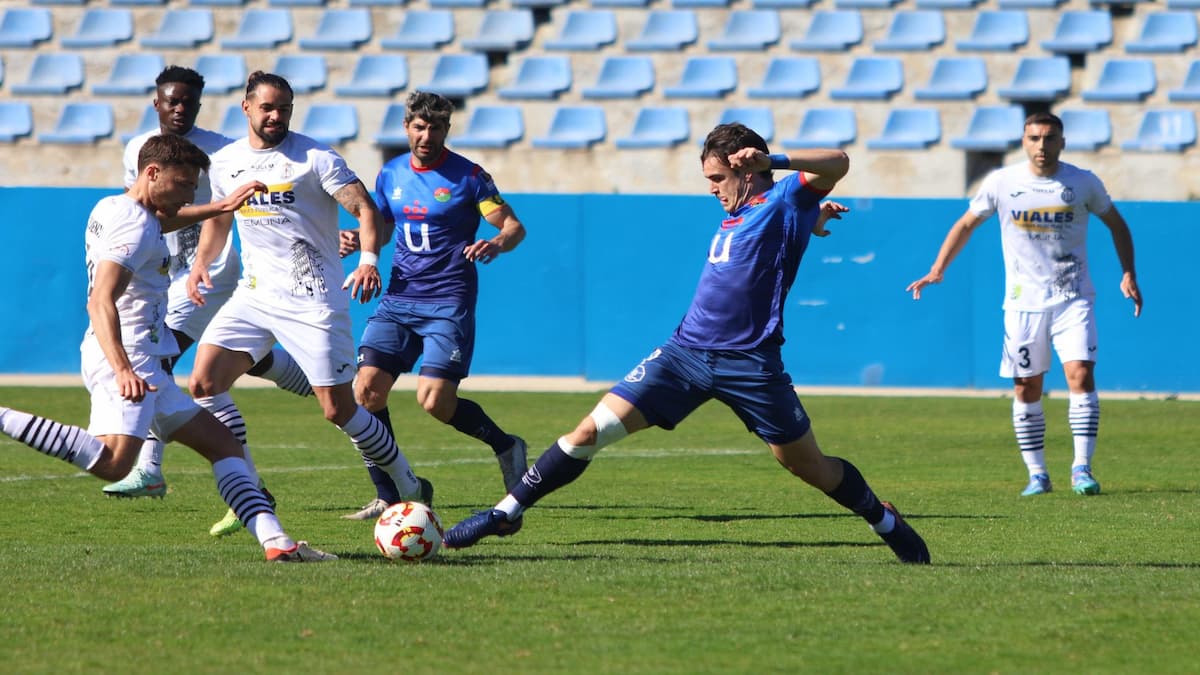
[[442, 408], [369, 398]]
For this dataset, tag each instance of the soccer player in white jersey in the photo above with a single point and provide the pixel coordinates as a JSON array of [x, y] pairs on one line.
[[1049, 298], [292, 288], [126, 342], [177, 102]]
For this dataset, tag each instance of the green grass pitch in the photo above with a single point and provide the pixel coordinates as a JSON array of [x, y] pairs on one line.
[[683, 552]]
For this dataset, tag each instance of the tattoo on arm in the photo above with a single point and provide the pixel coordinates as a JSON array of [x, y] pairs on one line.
[[353, 197]]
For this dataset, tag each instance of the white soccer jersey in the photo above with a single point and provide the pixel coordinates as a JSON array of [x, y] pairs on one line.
[[123, 231], [289, 234], [1043, 231], [225, 269]]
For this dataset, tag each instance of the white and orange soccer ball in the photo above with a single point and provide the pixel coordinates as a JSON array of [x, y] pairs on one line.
[[408, 531]]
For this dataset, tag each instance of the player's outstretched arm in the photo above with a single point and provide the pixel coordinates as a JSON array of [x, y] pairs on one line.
[[955, 240], [823, 168], [511, 233], [1123, 242], [108, 282], [195, 213], [364, 282], [213, 235]]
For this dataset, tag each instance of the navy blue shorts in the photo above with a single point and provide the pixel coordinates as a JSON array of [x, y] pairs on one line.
[[399, 333], [675, 380]]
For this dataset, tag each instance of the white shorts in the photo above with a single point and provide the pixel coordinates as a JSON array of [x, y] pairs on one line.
[[1069, 328], [187, 317], [162, 411], [318, 338]]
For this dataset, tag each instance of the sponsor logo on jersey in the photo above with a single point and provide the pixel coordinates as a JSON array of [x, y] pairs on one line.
[[415, 211], [259, 203], [442, 194], [1047, 219], [729, 223]]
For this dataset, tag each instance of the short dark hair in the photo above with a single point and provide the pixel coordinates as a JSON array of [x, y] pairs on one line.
[[726, 139], [433, 108], [1045, 118], [180, 75], [171, 150], [258, 77]]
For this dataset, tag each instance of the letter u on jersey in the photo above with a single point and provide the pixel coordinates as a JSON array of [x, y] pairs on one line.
[[723, 256], [408, 239]]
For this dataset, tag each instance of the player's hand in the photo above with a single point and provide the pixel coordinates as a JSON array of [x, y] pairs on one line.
[[196, 277], [482, 251], [1130, 288], [348, 242], [916, 286], [829, 211], [364, 283], [132, 387], [749, 159], [234, 200]]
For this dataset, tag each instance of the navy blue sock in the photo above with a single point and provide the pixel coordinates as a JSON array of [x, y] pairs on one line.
[[385, 487], [552, 470], [854, 494], [470, 419]]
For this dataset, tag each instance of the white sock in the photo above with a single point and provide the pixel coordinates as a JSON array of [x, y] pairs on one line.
[[1083, 414], [376, 444], [1029, 424], [58, 440], [150, 456], [237, 486], [287, 374], [226, 411], [511, 506]]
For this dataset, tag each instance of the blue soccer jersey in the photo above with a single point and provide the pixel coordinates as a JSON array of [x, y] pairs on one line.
[[436, 211], [752, 263]]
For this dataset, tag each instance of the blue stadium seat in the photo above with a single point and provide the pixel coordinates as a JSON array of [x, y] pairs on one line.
[[458, 4], [458, 75], [1029, 4], [700, 4], [1183, 4], [59, 2], [1123, 80], [574, 127], [233, 122], [782, 4], [1165, 33], [834, 31], [947, 4], [296, 3], [261, 29], [181, 29], [492, 126], [376, 75], [305, 72], [622, 77], [705, 77], [955, 78], [502, 30], [865, 4], [218, 3], [536, 4], [422, 29], [1, 70], [871, 78], [131, 75], [635, 4], [331, 123], [657, 127], [585, 30], [25, 27], [52, 73], [378, 3], [148, 122], [1164, 131], [908, 129], [16, 120], [1086, 130], [540, 77], [748, 30], [1079, 32], [996, 31], [81, 123], [665, 30], [760, 119], [1039, 79], [222, 73], [993, 129], [1190, 89], [918, 30], [137, 2], [391, 130], [340, 29], [824, 128], [788, 77], [101, 28]]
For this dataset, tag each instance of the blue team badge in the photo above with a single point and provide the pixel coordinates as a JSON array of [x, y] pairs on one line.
[[1068, 195]]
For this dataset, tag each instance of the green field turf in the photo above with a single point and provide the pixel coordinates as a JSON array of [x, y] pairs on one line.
[[682, 552]]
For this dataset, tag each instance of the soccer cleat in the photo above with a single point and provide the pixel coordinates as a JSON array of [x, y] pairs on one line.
[[512, 463], [482, 524], [1039, 484], [1083, 482], [371, 511], [301, 552], [904, 541], [139, 483], [424, 495], [227, 525]]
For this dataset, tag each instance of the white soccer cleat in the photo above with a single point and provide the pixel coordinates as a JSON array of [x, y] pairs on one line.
[[371, 511]]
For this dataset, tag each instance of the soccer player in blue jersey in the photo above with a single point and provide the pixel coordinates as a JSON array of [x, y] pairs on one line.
[[728, 345], [433, 199]]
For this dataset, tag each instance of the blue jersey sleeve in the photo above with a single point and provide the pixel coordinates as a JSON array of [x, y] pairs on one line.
[[381, 192]]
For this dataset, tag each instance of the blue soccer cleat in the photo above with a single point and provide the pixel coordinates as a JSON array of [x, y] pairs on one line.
[[1039, 484], [1083, 482], [904, 541], [482, 524]]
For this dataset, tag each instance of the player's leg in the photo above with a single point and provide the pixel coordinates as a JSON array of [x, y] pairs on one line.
[[108, 457], [1026, 358], [371, 387], [279, 367], [1075, 340]]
